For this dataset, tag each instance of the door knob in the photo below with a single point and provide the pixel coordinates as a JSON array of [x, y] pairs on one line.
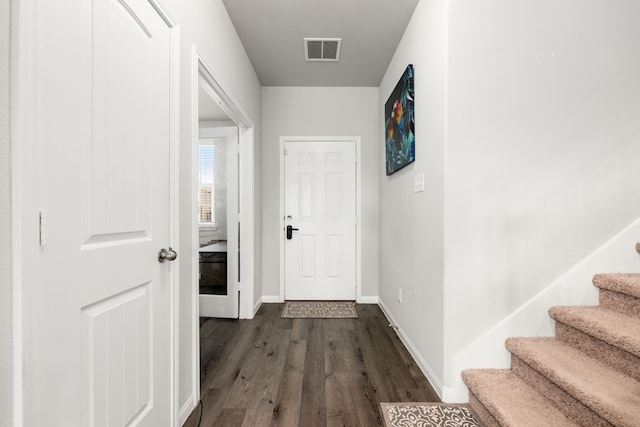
[[290, 231], [167, 254]]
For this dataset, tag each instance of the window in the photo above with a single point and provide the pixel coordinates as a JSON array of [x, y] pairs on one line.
[[206, 184]]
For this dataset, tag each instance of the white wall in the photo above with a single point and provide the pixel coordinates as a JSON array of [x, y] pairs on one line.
[[411, 224], [529, 113], [207, 24], [6, 346], [319, 111], [543, 149]]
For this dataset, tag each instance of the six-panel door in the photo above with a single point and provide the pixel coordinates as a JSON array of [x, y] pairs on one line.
[[320, 201]]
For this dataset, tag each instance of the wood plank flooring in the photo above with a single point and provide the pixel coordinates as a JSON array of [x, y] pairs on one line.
[[270, 371]]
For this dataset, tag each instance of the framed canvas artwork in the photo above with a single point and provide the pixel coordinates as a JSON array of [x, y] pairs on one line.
[[400, 124]]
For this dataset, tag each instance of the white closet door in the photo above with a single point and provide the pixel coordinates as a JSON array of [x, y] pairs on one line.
[[97, 306]]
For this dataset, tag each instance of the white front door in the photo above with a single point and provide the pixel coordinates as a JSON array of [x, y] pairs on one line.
[[320, 210], [97, 312]]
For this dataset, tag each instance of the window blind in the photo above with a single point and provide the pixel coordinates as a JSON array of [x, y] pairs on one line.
[[206, 184]]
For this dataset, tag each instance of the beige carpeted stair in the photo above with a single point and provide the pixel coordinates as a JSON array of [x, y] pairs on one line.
[[587, 375]]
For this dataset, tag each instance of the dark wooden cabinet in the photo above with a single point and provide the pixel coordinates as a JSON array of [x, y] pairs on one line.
[[213, 273]]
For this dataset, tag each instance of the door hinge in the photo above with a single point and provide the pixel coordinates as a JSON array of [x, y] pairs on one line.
[[286, 152]]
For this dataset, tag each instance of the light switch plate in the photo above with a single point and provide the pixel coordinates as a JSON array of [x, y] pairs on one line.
[[418, 183]]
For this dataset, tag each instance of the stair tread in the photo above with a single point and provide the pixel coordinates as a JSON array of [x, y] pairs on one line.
[[607, 392], [619, 282], [511, 401], [610, 326]]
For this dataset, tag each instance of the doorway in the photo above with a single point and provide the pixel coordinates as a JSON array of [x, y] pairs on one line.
[[218, 116], [320, 213], [227, 114]]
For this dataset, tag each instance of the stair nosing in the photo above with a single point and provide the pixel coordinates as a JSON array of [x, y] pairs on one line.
[[582, 319], [490, 401], [568, 383], [624, 283]]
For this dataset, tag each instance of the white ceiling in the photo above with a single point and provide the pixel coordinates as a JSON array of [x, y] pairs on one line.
[[272, 32]]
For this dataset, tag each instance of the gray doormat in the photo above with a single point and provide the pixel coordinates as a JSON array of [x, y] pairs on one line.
[[425, 414], [320, 310]]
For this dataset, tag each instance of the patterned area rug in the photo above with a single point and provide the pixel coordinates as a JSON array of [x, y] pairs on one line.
[[421, 414], [320, 310]]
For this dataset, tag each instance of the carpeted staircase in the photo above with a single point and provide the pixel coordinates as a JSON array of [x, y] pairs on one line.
[[587, 375]]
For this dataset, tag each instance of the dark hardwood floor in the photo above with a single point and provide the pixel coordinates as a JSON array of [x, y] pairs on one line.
[[270, 371]]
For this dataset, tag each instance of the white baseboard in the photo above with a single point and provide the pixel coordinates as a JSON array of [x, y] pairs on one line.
[[186, 410], [367, 300], [271, 299], [424, 366]]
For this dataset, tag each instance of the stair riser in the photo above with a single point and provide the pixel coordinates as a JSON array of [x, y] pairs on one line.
[[620, 360], [481, 413], [621, 303], [573, 409]]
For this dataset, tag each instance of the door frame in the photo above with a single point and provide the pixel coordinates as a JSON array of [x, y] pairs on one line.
[[357, 141], [214, 87], [25, 267]]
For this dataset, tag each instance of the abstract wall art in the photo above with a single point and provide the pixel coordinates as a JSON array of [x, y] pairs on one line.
[[400, 124]]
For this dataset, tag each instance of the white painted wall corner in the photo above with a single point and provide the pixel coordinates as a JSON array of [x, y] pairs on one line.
[[257, 305]]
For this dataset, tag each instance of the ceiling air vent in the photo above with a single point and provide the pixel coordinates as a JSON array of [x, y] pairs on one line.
[[322, 49]]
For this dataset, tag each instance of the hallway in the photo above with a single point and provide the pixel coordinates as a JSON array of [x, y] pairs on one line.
[[270, 371]]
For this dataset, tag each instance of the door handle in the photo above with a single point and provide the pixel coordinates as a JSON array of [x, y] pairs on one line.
[[167, 254], [290, 231]]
